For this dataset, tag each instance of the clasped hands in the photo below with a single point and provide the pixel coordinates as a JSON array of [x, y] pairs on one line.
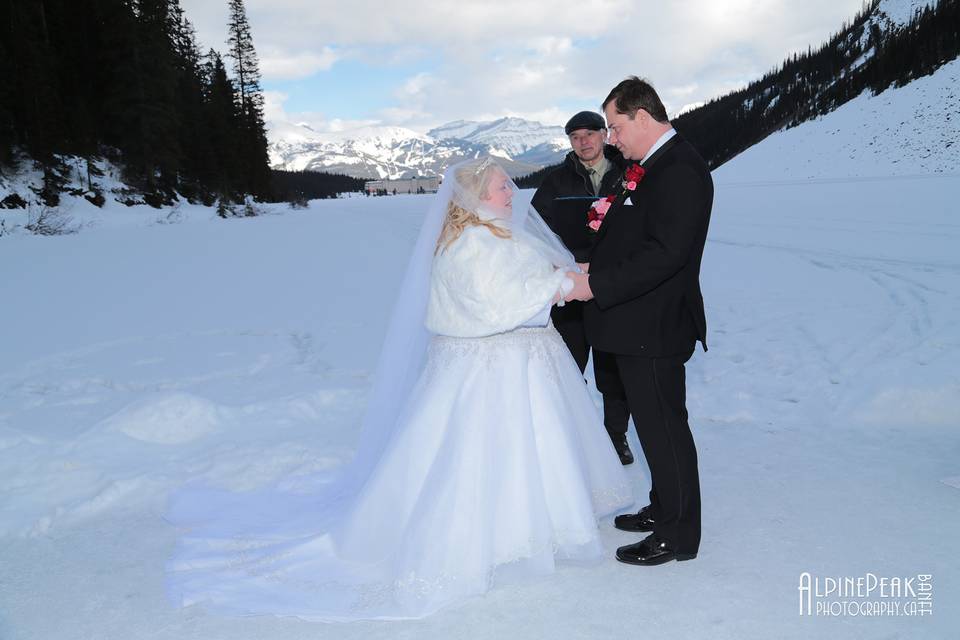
[[581, 284]]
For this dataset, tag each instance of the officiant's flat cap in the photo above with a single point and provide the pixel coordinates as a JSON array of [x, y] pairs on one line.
[[585, 120]]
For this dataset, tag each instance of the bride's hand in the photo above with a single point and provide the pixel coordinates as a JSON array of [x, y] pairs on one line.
[[565, 287], [584, 266]]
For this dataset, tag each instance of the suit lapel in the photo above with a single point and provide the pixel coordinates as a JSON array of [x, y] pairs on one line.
[[618, 203]]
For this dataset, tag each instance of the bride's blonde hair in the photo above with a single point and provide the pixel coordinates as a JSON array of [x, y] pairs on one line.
[[476, 182]]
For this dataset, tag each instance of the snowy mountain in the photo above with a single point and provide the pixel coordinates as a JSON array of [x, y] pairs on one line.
[[369, 152], [393, 152], [459, 129], [904, 131], [512, 137], [889, 44]]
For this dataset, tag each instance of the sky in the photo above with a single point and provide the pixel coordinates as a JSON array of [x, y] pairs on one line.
[[350, 63]]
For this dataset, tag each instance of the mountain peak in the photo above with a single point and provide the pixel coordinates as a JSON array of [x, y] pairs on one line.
[[389, 151]]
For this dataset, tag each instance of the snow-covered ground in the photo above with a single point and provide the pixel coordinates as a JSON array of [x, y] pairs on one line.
[[826, 412], [137, 355]]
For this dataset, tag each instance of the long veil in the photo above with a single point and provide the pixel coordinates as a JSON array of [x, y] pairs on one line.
[[447, 491], [225, 533]]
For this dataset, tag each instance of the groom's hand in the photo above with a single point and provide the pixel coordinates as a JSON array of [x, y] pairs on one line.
[[584, 266], [581, 287]]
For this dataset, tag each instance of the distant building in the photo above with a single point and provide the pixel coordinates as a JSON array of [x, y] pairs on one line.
[[418, 184]]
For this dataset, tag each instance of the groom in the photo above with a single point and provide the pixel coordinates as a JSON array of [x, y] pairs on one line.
[[643, 281]]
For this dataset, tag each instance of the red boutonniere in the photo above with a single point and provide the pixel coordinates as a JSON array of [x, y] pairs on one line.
[[632, 176], [598, 210]]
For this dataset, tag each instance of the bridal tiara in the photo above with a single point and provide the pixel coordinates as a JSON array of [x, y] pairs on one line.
[[486, 162]]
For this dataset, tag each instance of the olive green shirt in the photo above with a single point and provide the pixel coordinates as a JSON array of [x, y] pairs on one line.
[[596, 172]]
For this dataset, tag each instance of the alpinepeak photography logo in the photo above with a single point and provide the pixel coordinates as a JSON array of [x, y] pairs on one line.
[[867, 595]]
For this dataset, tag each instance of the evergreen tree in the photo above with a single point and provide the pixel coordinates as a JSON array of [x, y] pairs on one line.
[[189, 105], [116, 76], [254, 158], [299, 186], [159, 145], [36, 105], [124, 78], [221, 122], [73, 32], [7, 123], [243, 54]]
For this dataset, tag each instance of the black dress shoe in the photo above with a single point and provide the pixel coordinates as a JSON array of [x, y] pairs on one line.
[[651, 551], [642, 521], [623, 449]]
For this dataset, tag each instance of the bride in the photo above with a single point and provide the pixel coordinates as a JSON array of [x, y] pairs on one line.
[[482, 456]]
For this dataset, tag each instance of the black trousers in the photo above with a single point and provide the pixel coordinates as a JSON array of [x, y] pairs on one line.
[[656, 391], [568, 321]]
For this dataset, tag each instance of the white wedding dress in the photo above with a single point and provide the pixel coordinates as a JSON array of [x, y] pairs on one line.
[[499, 466]]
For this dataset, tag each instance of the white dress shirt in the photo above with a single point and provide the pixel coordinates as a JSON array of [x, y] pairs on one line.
[[662, 140]]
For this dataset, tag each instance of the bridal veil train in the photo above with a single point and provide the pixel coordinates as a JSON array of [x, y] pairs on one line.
[[482, 455]]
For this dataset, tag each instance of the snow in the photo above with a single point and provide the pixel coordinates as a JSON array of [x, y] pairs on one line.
[[378, 135], [292, 132], [455, 129], [171, 418], [900, 12], [906, 131], [516, 136], [138, 356]]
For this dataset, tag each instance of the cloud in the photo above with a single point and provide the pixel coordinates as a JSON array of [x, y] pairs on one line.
[[465, 59], [403, 117], [275, 111], [280, 64], [273, 105], [551, 45], [414, 87]]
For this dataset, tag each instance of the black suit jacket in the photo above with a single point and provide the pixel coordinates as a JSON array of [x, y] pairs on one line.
[[645, 264], [566, 194]]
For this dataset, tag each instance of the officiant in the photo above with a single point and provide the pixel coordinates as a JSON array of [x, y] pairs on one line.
[[591, 170]]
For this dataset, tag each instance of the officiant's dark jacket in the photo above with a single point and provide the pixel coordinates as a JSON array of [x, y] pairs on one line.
[[567, 193], [645, 262]]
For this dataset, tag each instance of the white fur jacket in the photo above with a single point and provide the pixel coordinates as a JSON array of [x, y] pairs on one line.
[[481, 285]]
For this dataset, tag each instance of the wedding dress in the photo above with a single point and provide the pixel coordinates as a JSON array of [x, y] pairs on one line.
[[495, 464]]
